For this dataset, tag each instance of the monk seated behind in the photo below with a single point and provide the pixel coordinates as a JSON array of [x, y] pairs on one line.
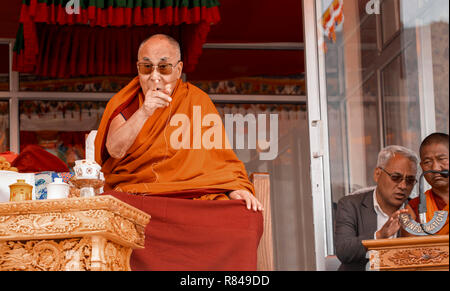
[[433, 156], [147, 157]]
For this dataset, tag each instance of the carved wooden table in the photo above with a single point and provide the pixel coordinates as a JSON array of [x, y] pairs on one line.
[[93, 233], [408, 253]]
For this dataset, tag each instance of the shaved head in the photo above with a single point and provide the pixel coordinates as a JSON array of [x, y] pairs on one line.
[[435, 138], [173, 43]]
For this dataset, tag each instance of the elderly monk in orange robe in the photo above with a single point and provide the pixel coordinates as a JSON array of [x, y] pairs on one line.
[[146, 167], [133, 142], [433, 156]]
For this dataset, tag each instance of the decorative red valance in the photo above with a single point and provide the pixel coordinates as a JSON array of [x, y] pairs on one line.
[[104, 37]]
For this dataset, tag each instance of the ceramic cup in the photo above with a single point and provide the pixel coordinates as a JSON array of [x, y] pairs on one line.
[[58, 189], [86, 169]]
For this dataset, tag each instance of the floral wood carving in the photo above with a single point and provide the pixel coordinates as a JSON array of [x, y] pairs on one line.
[[43, 223], [89, 233], [116, 257], [104, 202], [65, 254], [31, 255], [419, 256], [50, 219]]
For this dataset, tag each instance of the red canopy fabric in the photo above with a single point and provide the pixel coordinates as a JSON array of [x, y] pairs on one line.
[[195, 235], [103, 38], [256, 21], [253, 22]]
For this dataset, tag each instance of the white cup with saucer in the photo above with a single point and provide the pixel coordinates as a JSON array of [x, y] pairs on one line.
[[58, 189]]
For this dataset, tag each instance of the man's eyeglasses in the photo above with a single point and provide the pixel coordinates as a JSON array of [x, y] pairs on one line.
[[397, 178], [146, 68]]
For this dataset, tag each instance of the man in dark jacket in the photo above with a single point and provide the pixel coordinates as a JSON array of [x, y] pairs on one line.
[[373, 214]]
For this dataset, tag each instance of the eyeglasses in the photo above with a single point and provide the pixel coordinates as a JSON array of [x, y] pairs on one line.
[[397, 178], [146, 68]]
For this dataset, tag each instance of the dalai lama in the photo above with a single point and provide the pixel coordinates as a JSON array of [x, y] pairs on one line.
[[141, 167]]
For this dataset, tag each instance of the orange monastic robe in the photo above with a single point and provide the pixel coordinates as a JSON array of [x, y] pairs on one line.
[[152, 166], [432, 207]]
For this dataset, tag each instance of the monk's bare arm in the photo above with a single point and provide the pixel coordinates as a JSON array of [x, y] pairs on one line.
[[122, 133]]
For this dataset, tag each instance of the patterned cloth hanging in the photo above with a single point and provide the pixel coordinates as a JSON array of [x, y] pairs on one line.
[[102, 39]]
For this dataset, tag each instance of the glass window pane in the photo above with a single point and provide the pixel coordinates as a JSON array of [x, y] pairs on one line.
[[390, 19], [371, 126], [4, 67], [59, 127], [439, 46], [430, 20], [379, 70], [369, 43], [401, 101], [4, 126]]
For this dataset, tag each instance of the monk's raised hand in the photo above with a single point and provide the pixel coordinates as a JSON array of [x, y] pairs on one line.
[[249, 198], [155, 99]]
